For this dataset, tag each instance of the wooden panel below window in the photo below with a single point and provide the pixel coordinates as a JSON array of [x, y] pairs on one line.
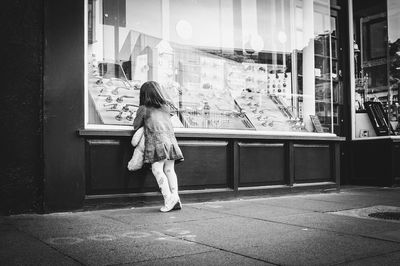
[[261, 164], [312, 163], [206, 164], [104, 164]]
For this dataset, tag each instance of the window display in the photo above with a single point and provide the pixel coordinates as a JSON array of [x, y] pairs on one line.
[[376, 68], [394, 65], [263, 67]]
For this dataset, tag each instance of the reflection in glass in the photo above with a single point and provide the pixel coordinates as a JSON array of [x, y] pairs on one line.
[[394, 60], [377, 76], [227, 64]]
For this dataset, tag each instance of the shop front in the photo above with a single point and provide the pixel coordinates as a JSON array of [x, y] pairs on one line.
[[261, 93], [375, 117]]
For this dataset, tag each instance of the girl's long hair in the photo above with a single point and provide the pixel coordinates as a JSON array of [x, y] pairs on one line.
[[151, 95]]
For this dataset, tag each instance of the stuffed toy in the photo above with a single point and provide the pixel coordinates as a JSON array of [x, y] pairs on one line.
[[137, 141]]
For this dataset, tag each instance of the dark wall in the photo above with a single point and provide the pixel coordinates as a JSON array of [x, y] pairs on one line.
[[64, 182], [21, 176]]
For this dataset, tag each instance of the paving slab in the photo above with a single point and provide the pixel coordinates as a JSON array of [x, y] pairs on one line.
[[343, 224], [365, 212], [234, 231], [301, 203], [388, 235], [125, 251], [152, 215], [366, 199], [289, 230], [207, 258], [128, 247], [18, 248], [314, 247], [284, 244], [100, 222], [395, 203], [93, 238], [248, 208], [388, 193], [65, 224], [390, 259]]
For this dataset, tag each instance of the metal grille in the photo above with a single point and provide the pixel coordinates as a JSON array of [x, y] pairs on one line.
[[386, 215]]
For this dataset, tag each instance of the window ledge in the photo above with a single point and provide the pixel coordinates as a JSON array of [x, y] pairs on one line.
[[378, 138], [209, 133]]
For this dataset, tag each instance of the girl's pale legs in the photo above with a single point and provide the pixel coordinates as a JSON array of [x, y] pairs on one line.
[[169, 170], [158, 171], [167, 181]]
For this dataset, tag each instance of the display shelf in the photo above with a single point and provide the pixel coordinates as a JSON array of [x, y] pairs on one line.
[[114, 100], [212, 92]]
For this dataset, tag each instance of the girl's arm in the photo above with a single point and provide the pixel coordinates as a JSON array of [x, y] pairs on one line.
[[139, 119], [172, 110]]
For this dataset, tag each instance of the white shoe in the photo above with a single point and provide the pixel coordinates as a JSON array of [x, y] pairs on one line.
[[173, 203], [178, 206]]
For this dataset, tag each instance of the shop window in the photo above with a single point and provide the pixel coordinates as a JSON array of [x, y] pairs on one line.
[[394, 64], [377, 78], [255, 65]]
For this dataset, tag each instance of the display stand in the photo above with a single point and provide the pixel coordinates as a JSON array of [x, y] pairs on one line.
[[379, 119]]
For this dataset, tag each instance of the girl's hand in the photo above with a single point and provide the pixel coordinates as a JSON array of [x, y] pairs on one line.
[[139, 119]]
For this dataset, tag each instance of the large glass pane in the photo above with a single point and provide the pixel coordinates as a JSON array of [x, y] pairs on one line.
[[372, 103], [229, 64], [394, 63]]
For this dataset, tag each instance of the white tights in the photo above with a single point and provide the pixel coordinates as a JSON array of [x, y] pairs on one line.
[[165, 175]]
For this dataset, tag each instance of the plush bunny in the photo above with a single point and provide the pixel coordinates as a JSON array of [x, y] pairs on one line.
[[137, 141]]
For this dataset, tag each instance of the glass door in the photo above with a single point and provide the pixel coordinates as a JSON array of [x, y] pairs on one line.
[[372, 100]]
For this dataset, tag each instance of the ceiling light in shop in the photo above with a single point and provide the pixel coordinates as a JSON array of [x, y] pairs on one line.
[[256, 42], [184, 29], [282, 37]]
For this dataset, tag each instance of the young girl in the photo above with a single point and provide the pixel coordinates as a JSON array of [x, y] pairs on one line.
[[161, 148]]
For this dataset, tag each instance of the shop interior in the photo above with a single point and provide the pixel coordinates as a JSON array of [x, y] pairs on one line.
[[377, 72], [259, 65]]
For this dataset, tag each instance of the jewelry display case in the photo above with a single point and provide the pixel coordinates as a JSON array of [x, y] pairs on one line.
[[223, 94], [114, 98], [235, 80], [212, 92]]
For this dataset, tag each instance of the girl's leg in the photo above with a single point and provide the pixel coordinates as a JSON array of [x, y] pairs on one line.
[[158, 171], [173, 182], [169, 170]]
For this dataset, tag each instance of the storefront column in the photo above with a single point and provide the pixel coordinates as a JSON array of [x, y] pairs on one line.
[[63, 109], [308, 64]]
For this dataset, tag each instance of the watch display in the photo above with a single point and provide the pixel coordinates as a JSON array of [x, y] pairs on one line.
[[235, 67], [213, 93]]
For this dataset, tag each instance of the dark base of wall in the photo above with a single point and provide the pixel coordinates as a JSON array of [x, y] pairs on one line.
[[195, 196], [375, 162], [20, 198], [376, 182], [214, 164]]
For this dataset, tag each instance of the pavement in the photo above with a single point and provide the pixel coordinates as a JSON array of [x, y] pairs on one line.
[[307, 229]]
